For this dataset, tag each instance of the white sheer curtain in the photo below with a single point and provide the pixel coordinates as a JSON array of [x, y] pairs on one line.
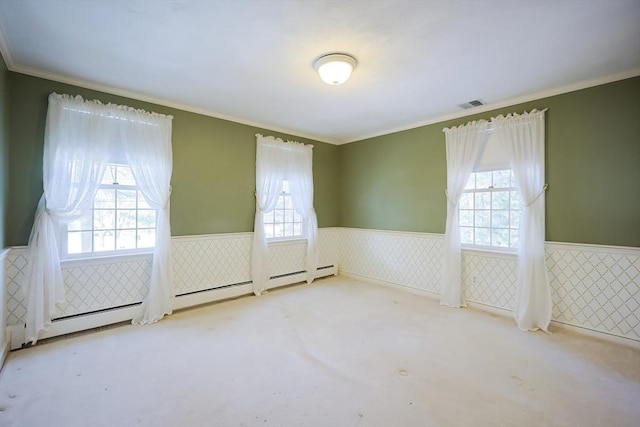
[[464, 147], [522, 137], [147, 144], [75, 157], [80, 138], [277, 161]]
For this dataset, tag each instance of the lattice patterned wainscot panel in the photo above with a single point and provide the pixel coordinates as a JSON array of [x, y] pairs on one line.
[[15, 272], [408, 259], [93, 287], [596, 287], [206, 262], [329, 240], [89, 287], [489, 278]]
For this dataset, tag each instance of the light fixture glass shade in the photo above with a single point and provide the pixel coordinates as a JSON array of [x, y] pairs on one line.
[[335, 68]]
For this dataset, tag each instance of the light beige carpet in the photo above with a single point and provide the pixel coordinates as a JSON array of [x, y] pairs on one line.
[[335, 353]]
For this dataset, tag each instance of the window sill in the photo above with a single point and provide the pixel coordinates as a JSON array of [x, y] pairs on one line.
[[505, 253], [105, 259], [286, 241]]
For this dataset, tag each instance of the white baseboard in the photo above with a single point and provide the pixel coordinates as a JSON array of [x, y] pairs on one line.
[[192, 300], [499, 311], [125, 314]]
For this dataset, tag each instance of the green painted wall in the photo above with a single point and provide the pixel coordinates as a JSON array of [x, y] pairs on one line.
[[4, 150], [397, 181], [392, 182], [213, 164]]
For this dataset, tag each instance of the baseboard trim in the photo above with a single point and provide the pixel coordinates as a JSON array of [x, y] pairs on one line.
[[125, 314]]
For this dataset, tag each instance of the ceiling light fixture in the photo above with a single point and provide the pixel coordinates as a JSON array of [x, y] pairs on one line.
[[335, 68]]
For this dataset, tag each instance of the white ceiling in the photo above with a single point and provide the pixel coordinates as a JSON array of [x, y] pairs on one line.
[[251, 61]]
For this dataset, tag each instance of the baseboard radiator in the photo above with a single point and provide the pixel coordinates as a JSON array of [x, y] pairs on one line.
[[109, 316]]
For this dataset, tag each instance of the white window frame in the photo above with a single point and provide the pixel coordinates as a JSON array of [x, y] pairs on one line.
[[513, 192], [64, 228], [267, 221]]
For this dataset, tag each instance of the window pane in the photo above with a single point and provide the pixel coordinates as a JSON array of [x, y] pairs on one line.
[[466, 201], [515, 238], [105, 199], [288, 215], [500, 200], [126, 239], [278, 230], [466, 218], [146, 238], [81, 224], [483, 179], [285, 186], [146, 219], [471, 183], [466, 235], [278, 216], [297, 217], [483, 200], [124, 175], [103, 219], [500, 237], [79, 242], [297, 229], [288, 229], [142, 202], [483, 219], [500, 219], [515, 219], [483, 236], [126, 199], [501, 179], [127, 218], [104, 241], [280, 203]]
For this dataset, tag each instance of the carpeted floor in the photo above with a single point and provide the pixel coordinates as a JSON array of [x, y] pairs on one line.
[[336, 353]]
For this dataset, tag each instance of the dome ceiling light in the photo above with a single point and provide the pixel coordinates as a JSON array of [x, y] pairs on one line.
[[335, 68]]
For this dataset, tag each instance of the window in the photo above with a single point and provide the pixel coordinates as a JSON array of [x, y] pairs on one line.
[[283, 222], [119, 221], [490, 210]]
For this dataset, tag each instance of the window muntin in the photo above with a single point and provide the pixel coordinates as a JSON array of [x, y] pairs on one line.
[[490, 210], [120, 220], [283, 222]]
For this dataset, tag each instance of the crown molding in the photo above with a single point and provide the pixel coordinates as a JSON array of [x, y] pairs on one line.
[[584, 84], [87, 84]]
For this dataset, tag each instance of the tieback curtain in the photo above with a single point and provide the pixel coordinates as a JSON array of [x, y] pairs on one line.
[[80, 138], [522, 137], [277, 161]]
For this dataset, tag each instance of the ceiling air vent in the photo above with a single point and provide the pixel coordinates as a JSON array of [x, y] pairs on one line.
[[472, 104]]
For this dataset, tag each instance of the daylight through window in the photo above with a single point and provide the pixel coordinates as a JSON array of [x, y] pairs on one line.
[[283, 222], [490, 210], [120, 220]]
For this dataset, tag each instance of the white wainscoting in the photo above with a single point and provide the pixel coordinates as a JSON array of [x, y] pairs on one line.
[[594, 287], [205, 268]]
